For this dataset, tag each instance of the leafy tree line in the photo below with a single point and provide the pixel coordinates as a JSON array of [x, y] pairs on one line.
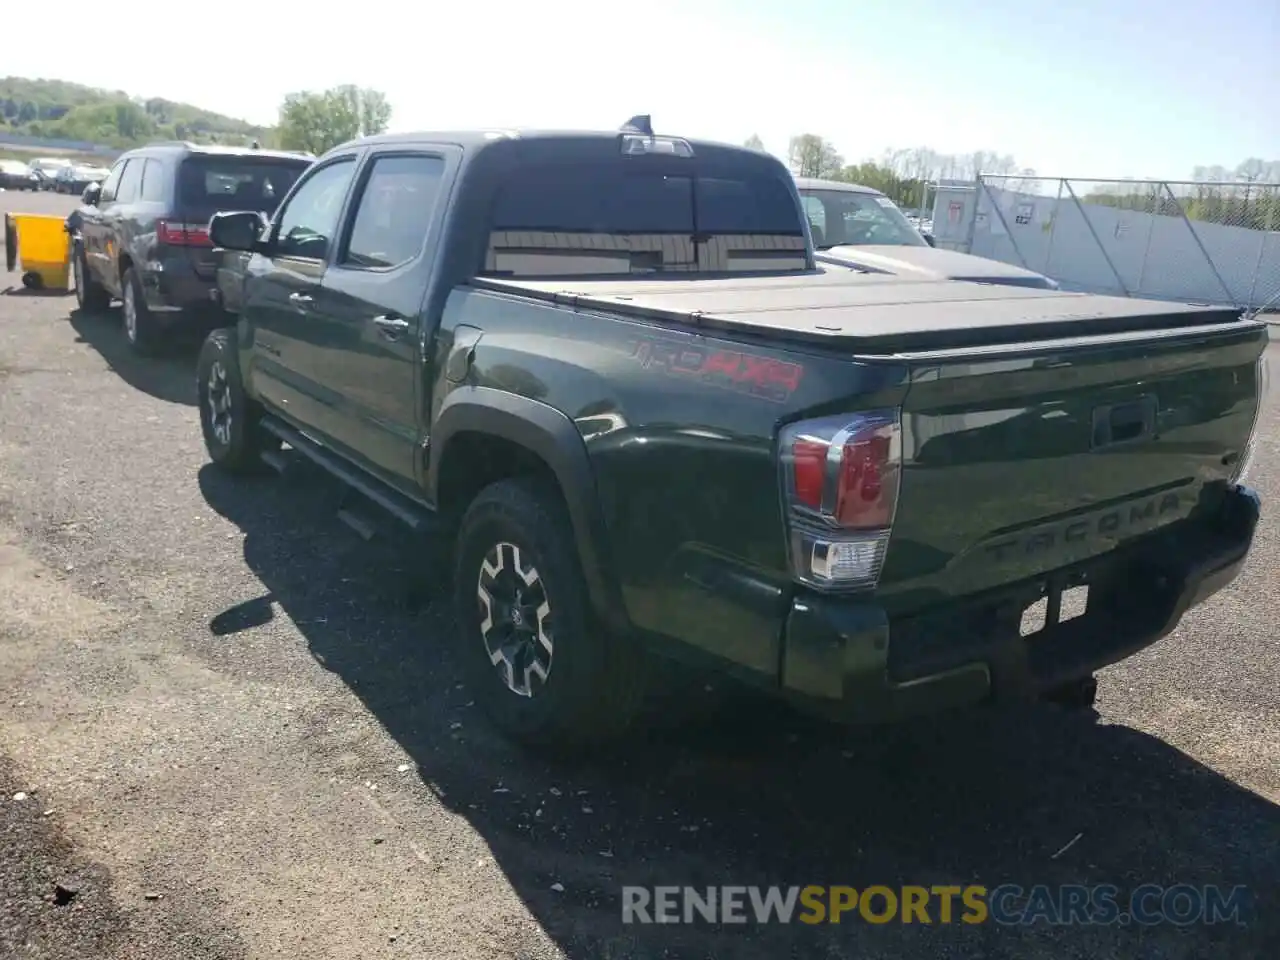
[[902, 175], [311, 121], [1247, 195], [58, 110]]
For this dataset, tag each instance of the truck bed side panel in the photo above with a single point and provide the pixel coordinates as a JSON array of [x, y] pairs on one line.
[[679, 428]]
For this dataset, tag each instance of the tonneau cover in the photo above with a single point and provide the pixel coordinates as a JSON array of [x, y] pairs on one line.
[[871, 313]]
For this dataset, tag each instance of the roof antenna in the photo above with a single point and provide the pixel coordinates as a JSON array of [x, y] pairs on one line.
[[639, 124]]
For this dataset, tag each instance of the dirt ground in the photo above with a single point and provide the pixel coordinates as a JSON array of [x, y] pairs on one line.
[[236, 732]]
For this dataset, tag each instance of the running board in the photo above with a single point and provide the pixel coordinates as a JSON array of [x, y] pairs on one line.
[[415, 516]]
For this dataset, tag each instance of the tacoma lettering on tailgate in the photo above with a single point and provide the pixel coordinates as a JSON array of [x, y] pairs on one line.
[[1130, 518]]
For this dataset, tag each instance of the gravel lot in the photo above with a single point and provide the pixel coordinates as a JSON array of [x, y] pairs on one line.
[[238, 734]]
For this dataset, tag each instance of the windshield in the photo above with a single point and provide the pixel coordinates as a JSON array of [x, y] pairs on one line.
[[862, 219], [600, 220], [236, 183]]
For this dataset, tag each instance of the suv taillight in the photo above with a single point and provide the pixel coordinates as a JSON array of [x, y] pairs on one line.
[[182, 234], [840, 480]]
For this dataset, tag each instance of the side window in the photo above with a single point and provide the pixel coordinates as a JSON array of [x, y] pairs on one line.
[[396, 206], [153, 181], [130, 182], [110, 184], [308, 222], [816, 212]]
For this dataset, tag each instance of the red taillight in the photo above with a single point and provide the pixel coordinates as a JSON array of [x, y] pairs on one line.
[[866, 472], [809, 471], [182, 234], [840, 508]]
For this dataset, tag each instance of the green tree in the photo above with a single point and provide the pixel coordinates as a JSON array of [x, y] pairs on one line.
[[754, 142], [318, 121], [812, 156]]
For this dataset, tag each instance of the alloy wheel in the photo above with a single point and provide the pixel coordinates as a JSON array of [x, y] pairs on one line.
[[218, 397], [130, 310], [515, 619]]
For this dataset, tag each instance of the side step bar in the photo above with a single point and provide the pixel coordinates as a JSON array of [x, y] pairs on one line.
[[418, 517]]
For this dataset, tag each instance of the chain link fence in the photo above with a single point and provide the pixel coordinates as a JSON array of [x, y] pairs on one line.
[[1199, 242]]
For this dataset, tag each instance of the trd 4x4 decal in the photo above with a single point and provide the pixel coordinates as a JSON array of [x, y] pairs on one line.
[[748, 373]]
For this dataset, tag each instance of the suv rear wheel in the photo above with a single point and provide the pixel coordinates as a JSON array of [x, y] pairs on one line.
[[545, 671], [140, 327]]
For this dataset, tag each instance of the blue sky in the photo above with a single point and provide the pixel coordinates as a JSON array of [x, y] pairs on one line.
[[1091, 88]]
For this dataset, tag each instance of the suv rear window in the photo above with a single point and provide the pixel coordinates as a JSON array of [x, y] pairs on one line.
[[235, 183], [590, 219]]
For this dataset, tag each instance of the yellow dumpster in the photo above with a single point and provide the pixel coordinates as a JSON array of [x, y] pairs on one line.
[[40, 243]]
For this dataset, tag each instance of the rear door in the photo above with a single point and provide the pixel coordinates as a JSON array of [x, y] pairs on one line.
[[214, 183], [279, 292], [367, 329]]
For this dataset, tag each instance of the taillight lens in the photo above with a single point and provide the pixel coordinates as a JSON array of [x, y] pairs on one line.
[[840, 479], [182, 234]]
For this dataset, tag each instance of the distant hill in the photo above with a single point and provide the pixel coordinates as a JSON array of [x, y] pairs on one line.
[[56, 109]]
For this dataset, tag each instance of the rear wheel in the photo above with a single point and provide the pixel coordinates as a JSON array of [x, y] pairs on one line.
[[1079, 694], [230, 421], [545, 671], [140, 326], [90, 295]]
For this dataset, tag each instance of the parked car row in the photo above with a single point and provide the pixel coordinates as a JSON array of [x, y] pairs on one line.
[[16, 175], [74, 178], [636, 417]]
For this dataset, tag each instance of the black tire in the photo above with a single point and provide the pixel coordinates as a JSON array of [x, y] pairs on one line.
[[594, 681], [90, 295], [237, 443], [1079, 694], [141, 330]]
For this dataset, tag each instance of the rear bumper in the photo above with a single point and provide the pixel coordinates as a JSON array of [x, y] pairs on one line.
[[173, 287], [848, 660]]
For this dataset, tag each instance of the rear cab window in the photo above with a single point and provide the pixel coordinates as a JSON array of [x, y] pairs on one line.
[[645, 215], [215, 183]]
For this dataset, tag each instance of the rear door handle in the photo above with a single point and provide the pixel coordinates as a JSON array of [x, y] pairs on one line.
[[391, 327]]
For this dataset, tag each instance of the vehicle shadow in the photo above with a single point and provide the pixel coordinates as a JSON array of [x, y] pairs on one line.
[[744, 794], [170, 375]]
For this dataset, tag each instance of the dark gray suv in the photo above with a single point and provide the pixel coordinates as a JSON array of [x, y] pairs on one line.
[[142, 236]]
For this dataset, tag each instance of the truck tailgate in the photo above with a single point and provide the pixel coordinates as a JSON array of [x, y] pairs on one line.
[[1018, 465]]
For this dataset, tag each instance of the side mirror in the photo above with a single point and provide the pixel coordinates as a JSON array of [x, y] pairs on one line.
[[92, 193], [928, 238], [237, 230]]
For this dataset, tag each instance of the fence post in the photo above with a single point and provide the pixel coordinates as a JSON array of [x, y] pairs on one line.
[[1096, 239], [973, 217], [1053, 228], [995, 208], [1195, 236]]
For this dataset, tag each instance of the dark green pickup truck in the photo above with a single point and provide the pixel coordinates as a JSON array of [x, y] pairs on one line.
[[605, 370]]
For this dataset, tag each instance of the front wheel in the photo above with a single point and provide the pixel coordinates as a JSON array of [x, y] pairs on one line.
[[545, 671], [230, 421]]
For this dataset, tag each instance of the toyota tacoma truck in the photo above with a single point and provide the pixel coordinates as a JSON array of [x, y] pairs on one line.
[[604, 376]]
